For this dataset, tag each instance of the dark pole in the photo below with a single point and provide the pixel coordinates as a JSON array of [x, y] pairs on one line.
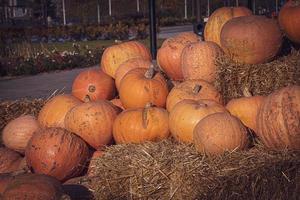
[[250, 4], [152, 21], [198, 2]]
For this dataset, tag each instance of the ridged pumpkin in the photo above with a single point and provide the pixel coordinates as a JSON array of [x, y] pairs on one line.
[[218, 133], [289, 20], [278, 121], [18, 132], [10, 160], [57, 152], [92, 85], [169, 55], [192, 89], [115, 55], [93, 122], [246, 109], [251, 39], [217, 20], [54, 111], [141, 124], [198, 61], [187, 113], [128, 66], [141, 86]]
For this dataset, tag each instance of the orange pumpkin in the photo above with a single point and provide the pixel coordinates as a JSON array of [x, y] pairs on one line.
[[128, 66], [93, 122], [198, 61], [289, 20], [115, 55], [9, 160], [217, 20], [188, 36], [218, 133], [118, 103], [141, 124], [18, 132], [92, 85], [192, 89], [54, 111], [278, 121], [57, 152], [251, 39], [141, 86], [187, 113]]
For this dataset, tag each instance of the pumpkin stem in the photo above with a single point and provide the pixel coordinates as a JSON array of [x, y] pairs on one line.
[[150, 72], [145, 114], [197, 89], [92, 88], [246, 92], [87, 98]]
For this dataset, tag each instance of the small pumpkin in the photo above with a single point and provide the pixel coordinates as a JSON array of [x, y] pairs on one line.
[[9, 160], [192, 89], [54, 111], [18, 132], [220, 132], [92, 85], [93, 122], [141, 124], [141, 86], [57, 152]]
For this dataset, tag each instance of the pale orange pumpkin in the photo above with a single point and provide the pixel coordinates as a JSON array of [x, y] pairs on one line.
[[220, 132], [141, 124], [187, 113], [189, 36], [115, 55], [141, 86], [54, 111], [128, 66], [92, 85], [18, 132], [93, 122], [198, 61], [192, 89]]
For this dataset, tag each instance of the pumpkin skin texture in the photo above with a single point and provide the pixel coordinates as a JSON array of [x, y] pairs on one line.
[[128, 66], [251, 39], [278, 119], [246, 109], [140, 125], [192, 89], [169, 55], [187, 113], [115, 55], [92, 85], [34, 187], [93, 122], [141, 86], [54, 111], [217, 20], [5, 179], [218, 133], [9, 160], [57, 152], [198, 61], [18, 132], [289, 20]]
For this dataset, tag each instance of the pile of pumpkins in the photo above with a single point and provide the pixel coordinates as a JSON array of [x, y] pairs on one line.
[[132, 100]]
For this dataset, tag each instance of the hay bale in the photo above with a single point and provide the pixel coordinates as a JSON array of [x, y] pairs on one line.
[[261, 79], [168, 170]]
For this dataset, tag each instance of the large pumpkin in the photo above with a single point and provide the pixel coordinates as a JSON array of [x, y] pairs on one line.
[[10, 160], [218, 133], [54, 111], [92, 85], [115, 55], [192, 89], [57, 152], [278, 121], [169, 55], [198, 61], [141, 124], [18, 132], [93, 122], [289, 20], [129, 65], [187, 113], [251, 39], [189, 36], [217, 20], [141, 86]]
